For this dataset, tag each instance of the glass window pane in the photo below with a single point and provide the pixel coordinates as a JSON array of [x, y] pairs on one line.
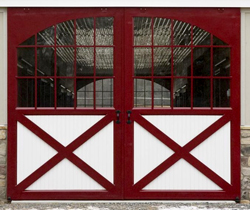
[[221, 61], [217, 41], [46, 37], [162, 61], [182, 61], [104, 61], [45, 92], [104, 93], [142, 31], [85, 92], [65, 93], [45, 61], [104, 31], [162, 92], [29, 41], [202, 61], [142, 61], [25, 61], [65, 61], [182, 92], [85, 31], [85, 61], [201, 88], [221, 92], [26, 92], [182, 33], [142, 93], [201, 37], [162, 31], [65, 33]]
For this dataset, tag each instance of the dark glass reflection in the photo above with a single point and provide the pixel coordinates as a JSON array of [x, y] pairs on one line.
[[65, 33], [162, 31], [65, 61], [201, 92], [142, 31], [25, 61], [182, 92], [182, 33], [85, 92], [182, 61], [162, 93], [217, 41], [45, 61], [85, 61], [221, 62], [85, 31], [221, 93], [65, 93], [45, 92], [142, 93], [104, 61], [29, 41], [46, 37], [104, 31], [201, 37], [142, 61], [104, 93], [202, 61], [26, 92], [162, 61]]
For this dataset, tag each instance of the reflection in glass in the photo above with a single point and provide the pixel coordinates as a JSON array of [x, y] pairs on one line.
[[45, 92], [182, 61], [85, 31], [65, 33], [217, 41], [26, 61], [201, 88], [142, 93], [221, 62], [29, 41], [182, 92], [46, 37], [162, 96], [85, 92], [104, 30], [221, 93], [162, 31], [182, 33], [202, 61], [201, 37], [65, 61], [104, 93], [142, 31], [65, 93], [162, 61], [85, 61], [45, 61], [104, 61], [26, 92], [142, 61]]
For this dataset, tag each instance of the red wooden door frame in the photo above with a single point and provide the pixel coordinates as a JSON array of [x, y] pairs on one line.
[[24, 22], [218, 22]]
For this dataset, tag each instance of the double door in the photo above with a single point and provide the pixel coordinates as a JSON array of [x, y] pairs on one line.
[[113, 103]]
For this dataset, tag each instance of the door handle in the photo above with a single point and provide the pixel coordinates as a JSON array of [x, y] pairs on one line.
[[118, 116], [129, 113]]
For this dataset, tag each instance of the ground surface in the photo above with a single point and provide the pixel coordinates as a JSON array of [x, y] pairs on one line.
[[124, 206]]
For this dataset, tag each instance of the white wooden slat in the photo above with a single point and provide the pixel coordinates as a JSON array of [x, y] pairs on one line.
[[64, 128], [182, 176], [149, 152], [32, 152], [182, 128], [215, 153], [65, 176], [98, 152]]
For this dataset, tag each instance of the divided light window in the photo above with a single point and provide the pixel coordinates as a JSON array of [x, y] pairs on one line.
[[68, 65]]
